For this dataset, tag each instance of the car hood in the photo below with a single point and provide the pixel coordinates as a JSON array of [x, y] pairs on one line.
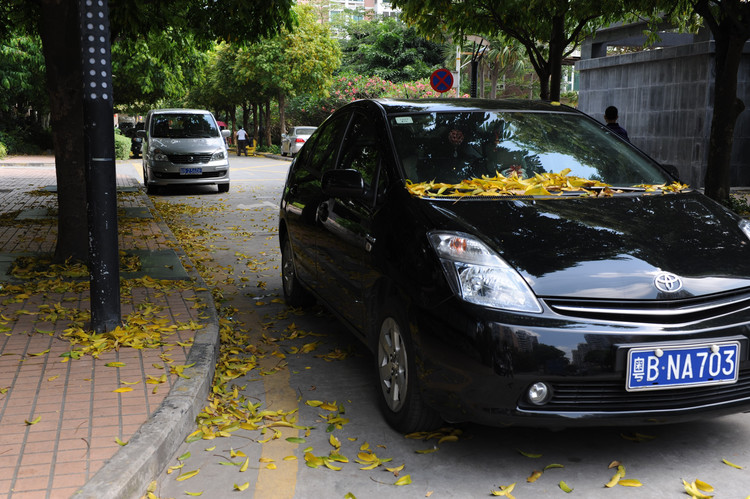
[[187, 146], [608, 248]]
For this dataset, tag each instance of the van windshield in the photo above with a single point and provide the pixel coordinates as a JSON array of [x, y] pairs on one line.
[[183, 126]]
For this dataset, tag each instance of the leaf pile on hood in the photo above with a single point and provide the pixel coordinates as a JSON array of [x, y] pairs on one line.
[[544, 184]]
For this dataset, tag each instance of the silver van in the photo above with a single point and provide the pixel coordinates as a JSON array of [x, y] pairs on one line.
[[184, 147]]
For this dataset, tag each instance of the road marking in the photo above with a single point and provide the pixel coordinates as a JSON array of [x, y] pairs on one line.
[[281, 482], [264, 204]]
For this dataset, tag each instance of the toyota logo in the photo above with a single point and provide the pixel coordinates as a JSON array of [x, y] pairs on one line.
[[667, 282]]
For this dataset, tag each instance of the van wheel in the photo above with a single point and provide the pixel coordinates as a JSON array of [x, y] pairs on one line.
[[223, 187], [401, 400]]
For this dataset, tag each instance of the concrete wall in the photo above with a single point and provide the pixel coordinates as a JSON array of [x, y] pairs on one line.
[[665, 99]]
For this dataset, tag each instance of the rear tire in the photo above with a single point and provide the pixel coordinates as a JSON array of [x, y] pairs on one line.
[[294, 294], [398, 385]]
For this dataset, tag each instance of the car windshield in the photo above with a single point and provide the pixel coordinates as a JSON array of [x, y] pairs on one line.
[[306, 130], [182, 126], [452, 147]]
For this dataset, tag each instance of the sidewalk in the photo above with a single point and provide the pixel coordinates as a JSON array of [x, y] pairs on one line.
[[65, 413]]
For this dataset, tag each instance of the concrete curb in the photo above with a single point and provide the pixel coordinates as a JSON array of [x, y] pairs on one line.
[[128, 473]]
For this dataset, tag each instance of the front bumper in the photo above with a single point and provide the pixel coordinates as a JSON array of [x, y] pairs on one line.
[[167, 173], [478, 365]]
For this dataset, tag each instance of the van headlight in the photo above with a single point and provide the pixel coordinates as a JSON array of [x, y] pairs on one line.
[[159, 155], [479, 275], [220, 154]]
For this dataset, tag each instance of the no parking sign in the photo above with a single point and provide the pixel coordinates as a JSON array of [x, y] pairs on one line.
[[441, 80]]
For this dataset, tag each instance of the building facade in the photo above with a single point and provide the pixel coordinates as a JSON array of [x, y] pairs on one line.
[[664, 97]]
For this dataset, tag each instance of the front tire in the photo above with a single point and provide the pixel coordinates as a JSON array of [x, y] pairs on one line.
[[223, 187], [149, 188], [401, 401]]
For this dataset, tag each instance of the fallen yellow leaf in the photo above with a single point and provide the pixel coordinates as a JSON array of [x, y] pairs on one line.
[[731, 464], [630, 482], [404, 480], [534, 476], [189, 474]]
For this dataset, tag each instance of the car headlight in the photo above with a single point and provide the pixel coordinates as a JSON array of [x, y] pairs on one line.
[[159, 155], [218, 155], [478, 275]]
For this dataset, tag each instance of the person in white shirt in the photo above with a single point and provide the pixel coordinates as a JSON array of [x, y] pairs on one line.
[[241, 141]]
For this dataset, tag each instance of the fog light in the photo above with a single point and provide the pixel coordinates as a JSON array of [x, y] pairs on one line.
[[539, 393]]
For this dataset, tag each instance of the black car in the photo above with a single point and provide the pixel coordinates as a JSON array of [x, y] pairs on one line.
[[514, 262]]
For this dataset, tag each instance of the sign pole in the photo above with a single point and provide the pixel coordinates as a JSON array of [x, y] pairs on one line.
[[101, 182]]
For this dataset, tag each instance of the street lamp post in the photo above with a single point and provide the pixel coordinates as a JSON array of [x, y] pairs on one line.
[[101, 180]]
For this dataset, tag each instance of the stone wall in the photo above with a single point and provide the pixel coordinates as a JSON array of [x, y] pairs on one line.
[[665, 97]]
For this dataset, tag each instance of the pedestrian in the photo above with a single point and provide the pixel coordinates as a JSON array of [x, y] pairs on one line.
[[610, 116], [241, 141]]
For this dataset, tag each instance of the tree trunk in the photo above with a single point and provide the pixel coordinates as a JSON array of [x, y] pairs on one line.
[[256, 124], [60, 33], [282, 112], [482, 68], [267, 119], [556, 49], [727, 107], [494, 73]]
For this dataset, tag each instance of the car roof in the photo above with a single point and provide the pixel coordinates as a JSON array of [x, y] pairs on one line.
[[179, 110], [395, 106]]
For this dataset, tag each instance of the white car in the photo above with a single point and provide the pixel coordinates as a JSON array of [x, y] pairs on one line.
[[292, 142], [184, 147]]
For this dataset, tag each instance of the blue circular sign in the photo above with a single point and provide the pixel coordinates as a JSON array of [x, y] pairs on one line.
[[441, 80]]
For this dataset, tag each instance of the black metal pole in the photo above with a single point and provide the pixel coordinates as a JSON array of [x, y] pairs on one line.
[[476, 55], [474, 68], [101, 183]]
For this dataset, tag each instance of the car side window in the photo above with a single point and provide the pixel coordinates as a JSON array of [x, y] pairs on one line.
[[327, 143], [361, 152]]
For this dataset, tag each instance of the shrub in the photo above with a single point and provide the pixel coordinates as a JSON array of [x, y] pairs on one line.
[[3, 150], [122, 146], [273, 149]]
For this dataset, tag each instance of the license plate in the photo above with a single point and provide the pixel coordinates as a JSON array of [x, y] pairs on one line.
[[191, 171], [658, 368]]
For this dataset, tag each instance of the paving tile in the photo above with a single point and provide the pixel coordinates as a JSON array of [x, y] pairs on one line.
[[80, 414]]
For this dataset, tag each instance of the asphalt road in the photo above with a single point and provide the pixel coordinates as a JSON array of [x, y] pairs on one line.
[[240, 235]]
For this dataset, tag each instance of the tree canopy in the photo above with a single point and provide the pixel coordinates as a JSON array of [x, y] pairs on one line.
[[57, 24], [549, 30], [389, 49]]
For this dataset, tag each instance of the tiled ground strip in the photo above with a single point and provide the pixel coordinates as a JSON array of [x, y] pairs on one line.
[[76, 415]]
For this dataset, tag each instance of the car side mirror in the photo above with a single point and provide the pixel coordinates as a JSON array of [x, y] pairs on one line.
[[226, 133], [343, 184], [140, 133], [672, 170]]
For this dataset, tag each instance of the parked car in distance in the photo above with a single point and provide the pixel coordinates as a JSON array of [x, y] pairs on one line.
[[184, 147], [293, 141], [515, 263]]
